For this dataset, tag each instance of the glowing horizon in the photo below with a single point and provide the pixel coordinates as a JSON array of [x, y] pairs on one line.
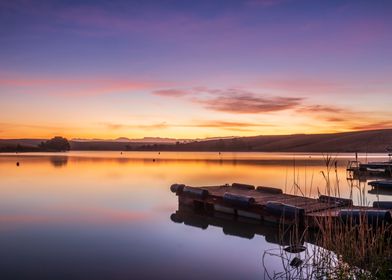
[[194, 69]]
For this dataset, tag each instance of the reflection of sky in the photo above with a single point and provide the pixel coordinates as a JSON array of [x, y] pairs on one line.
[[105, 216], [93, 68]]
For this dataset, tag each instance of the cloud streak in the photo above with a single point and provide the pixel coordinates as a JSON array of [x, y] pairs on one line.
[[321, 109], [375, 125], [219, 124], [236, 101], [239, 101], [250, 103], [119, 126], [171, 92], [71, 86]]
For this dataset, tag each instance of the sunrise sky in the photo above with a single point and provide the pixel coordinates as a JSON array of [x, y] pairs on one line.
[[193, 69]]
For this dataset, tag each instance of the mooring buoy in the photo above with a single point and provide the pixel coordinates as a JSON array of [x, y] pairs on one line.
[[297, 248]]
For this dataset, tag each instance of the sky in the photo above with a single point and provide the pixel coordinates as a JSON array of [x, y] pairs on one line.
[[193, 69]]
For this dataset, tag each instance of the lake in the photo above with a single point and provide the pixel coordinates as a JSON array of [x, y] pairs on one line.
[[101, 215]]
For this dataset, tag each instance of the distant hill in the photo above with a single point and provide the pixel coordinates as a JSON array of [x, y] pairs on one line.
[[141, 140], [362, 141], [22, 145], [22, 142]]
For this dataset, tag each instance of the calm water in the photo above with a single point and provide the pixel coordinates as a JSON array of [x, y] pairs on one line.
[[101, 215]]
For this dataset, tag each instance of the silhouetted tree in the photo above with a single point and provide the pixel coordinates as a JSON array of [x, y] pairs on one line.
[[56, 144]]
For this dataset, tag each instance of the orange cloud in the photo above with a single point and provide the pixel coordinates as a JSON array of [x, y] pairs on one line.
[[347, 118], [376, 125], [115, 126], [226, 125]]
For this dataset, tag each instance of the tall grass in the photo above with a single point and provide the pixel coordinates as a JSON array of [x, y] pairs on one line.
[[354, 251], [343, 250]]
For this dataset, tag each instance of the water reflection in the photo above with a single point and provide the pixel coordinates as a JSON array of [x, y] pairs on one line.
[[293, 173], [236, 225], [278, 262], [59, 161], [105, 214], [380, 191]]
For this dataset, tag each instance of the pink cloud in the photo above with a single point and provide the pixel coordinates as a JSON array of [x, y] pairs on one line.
[[249, 103], [321, 109], [233, 100], [171, 92], [73, 87]]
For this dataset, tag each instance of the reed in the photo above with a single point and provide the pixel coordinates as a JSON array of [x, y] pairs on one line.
[[354, 251], [343, 250]]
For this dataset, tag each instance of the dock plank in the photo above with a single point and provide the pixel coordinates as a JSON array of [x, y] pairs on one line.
[[313, 209]]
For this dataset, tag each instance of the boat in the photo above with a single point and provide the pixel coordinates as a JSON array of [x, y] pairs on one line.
[[377, 168]]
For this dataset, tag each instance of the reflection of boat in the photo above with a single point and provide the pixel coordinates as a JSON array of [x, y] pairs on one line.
[[380, 191], [381, 187], [383, 184], [294, 253], [364, 176]]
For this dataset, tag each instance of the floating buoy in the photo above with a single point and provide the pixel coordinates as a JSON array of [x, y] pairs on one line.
[[285, 210], [296, 262], [269, 190], [298, 248], [242, 186], [195, 192], [176, 218], [197, 223], [153, 159], [177, 188], [17, 163], [240, 200]]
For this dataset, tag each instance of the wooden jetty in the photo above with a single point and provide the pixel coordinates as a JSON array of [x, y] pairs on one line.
[[272, 205]]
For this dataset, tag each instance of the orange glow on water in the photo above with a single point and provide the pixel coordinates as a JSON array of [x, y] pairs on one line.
[[107, 186]]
